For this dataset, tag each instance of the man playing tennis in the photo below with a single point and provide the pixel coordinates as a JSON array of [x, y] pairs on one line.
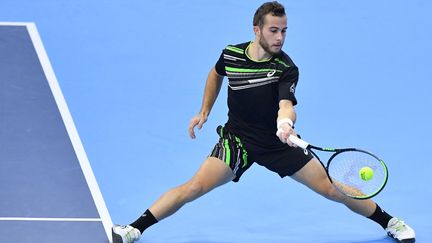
[[261, 99]]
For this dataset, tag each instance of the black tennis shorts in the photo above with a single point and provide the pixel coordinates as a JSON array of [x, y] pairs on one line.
[[239, 155]]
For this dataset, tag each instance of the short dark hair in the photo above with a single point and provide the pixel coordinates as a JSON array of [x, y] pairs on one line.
[[274, 8]]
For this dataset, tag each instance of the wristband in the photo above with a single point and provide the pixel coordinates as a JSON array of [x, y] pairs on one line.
[[285, 120]]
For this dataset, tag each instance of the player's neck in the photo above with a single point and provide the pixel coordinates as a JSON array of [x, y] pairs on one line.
[[256, 53]]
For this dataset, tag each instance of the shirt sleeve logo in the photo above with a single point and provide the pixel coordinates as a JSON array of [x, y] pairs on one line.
[[292, 88]]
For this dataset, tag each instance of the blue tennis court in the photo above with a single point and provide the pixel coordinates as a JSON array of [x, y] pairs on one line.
[[49, 192], [96, 97]]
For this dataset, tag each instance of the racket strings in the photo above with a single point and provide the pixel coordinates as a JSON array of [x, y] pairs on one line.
[[344, 171]]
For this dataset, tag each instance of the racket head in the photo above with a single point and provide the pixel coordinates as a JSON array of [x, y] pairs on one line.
[[343, 169]]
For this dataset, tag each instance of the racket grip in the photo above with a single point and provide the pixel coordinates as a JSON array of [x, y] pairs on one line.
[[297, 141]]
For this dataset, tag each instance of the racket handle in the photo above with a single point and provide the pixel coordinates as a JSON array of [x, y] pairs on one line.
[[297, 141]]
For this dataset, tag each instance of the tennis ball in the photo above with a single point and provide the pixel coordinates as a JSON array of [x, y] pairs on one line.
[[366, 173]]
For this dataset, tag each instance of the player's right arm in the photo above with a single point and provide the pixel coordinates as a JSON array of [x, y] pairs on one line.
[[211, 91]]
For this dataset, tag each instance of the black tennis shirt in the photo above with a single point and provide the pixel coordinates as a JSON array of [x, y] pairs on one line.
[[254, 91]]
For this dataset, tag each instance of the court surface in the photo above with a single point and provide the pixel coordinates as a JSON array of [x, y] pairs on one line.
[[132, 75], [48, 191]]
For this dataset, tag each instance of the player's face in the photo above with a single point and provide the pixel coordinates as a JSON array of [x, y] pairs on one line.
[[272, 34]]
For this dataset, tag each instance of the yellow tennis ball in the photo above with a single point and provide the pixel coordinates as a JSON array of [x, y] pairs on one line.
[[366, 173]]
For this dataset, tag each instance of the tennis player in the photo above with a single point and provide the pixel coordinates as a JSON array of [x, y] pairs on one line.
[[261, 99]]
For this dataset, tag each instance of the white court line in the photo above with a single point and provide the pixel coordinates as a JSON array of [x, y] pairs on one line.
[[15, 23], [51, 219], [70, 126]]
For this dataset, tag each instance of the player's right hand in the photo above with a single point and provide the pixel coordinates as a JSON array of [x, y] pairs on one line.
[[196, 121], [283, 132]]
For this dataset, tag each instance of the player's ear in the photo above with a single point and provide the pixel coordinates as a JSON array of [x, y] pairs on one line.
[[256, 30]]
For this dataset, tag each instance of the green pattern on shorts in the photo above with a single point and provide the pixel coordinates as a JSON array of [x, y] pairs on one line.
[[227, 151]]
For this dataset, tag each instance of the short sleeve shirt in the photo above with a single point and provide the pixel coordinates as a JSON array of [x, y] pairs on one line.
[[254, 91]]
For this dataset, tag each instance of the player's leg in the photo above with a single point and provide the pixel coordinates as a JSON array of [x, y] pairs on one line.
[[314, 176], [212, 173], [228, 161]]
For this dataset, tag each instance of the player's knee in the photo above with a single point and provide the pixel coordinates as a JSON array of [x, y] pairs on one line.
[[194, 189], [333, 194]]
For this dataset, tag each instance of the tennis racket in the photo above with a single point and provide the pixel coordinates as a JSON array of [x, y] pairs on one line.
[[344, 166]]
